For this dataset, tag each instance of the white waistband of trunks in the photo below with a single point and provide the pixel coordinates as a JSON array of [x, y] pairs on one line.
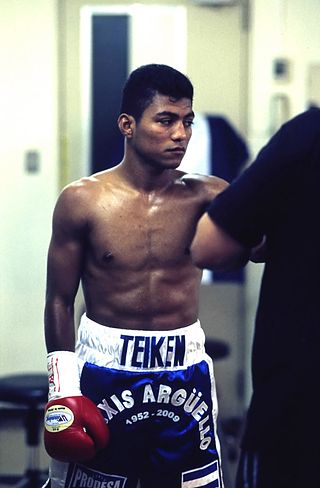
[[140, 349]]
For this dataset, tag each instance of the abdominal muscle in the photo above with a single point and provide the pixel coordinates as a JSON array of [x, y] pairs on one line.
[[149, 300]]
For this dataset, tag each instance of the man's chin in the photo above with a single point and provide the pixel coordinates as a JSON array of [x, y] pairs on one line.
[[175, 160]]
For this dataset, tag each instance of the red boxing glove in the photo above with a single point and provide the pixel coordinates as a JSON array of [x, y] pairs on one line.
[[75, 429]]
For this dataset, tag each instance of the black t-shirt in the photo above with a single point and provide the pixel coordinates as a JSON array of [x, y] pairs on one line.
[[279, 196]]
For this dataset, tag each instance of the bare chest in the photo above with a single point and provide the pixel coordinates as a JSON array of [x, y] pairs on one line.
[[143, 232]]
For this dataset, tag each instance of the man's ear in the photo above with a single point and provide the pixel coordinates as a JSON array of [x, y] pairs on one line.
[[126, 124]]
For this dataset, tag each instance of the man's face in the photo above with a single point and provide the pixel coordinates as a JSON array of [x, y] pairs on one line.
[[162, 134]]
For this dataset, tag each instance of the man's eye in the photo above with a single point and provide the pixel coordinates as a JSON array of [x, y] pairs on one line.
[[165, 121], [188, 123]]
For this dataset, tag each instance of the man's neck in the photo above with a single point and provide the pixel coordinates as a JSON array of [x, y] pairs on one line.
[[144, 177]]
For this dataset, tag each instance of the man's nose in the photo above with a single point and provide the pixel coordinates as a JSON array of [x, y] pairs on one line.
[[179, 131]]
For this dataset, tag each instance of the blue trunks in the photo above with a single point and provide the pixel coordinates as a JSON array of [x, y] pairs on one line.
[[156, 390]]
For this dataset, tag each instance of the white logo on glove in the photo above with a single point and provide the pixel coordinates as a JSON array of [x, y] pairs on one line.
[[58, 418]]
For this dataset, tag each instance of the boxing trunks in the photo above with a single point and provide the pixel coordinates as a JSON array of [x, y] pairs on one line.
[[156, 390]]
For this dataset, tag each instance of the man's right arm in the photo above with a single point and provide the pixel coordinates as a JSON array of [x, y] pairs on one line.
[[86, 432], [64, 266], [213, 248]]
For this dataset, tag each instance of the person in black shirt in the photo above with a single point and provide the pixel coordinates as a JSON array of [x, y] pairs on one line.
[[277, 199]]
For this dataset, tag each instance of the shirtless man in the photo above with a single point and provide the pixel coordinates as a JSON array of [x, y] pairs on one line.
[[139, 354]]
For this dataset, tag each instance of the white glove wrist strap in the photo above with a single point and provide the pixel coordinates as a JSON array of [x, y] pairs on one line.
[[63, 374]]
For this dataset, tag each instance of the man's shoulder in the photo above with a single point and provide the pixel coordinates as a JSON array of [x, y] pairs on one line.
[[78, 188], [212, 184], [86, 185], [306, 121], [77, 195], [298, 135], [312, 113]]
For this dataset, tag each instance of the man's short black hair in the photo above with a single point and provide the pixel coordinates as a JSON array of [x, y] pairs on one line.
[[148, 80]]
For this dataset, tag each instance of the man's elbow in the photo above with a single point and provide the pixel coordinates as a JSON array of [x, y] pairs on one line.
[[219, 254], [214, 249], [216, 261], [203, 256]]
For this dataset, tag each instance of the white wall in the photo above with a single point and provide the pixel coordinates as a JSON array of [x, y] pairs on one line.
[[28, 122], [286, 29]]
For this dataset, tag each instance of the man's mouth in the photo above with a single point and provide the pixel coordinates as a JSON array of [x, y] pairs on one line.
[[177, 150]]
